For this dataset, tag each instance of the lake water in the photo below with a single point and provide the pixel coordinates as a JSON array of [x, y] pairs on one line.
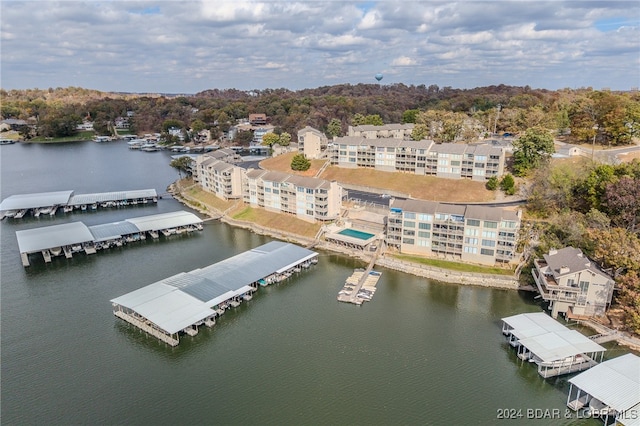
[[420, 353]]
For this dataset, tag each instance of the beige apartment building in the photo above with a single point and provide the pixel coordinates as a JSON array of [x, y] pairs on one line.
[[468, 233], [572, 283], [312, 143], [216, 176], [447, 160], [396, 131], [306, 198]]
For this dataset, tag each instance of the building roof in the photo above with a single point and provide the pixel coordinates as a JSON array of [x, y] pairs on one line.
[[392, 126], [30, 201], [469, 211], [558, 345], [570, 260], [186, 298], [38, 239], [165, 220], [46, 237], [309, 129], [532, 324], [475, 211], [615, 382], [80, 199]]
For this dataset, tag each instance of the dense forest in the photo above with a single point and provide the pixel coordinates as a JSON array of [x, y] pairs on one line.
[[612, 118], [588, 205]]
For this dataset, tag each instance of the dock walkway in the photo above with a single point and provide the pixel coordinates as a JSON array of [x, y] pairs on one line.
[[361, 285]]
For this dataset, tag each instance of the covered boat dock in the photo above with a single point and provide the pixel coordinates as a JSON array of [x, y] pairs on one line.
[[16, 206], [181, 303], [610, 390], [554, 348], [74, 237]]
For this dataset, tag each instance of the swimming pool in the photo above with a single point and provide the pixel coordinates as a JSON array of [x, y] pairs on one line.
[[356, 234]]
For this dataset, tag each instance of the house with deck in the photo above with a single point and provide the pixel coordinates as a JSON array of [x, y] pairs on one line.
[[572, 284]]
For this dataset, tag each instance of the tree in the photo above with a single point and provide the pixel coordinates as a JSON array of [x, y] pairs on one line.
[[508, 185], [300, 163], [410, 116], [334, 128], [182, 164], [419, 132], [615, 248], [270, 139], [629, 299], [198, 125], [492, 183], [622, 202], [531, 149], [285, 139], [167, 124]]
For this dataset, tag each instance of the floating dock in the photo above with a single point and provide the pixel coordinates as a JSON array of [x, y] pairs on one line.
[[178, 305], [359, 287], [48, 203], [70, 238]]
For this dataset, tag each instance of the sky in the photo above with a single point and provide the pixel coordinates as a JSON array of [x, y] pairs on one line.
[[191, 46]]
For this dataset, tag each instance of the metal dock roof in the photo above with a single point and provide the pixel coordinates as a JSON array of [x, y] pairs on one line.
[[558, 345], [615, 382], [38, 239], [43, 238], [80, 199], [182, 300], [532, 324], [165, 220], [30, 201]]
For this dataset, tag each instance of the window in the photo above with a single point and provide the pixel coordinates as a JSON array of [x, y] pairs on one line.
[[457, 218], [488, 224], [423, 243], [489, 234], [440, 216], [455, 163], [424, 226], [471, 232], [408, 241], [473, 222], [309, 212], [486, 252], [425, 217], [409, 232], [584, 286], [507, 224], [424, 234], [409, 224], [488, 243], [408, 215], [472, 241], [472, 250]]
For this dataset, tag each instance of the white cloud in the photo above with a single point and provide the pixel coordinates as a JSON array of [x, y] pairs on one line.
[[173, 46]]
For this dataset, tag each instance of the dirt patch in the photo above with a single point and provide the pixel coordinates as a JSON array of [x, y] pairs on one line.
[[277, 221], [629, 156]]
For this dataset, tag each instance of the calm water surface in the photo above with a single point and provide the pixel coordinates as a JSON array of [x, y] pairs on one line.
[[420, 353]]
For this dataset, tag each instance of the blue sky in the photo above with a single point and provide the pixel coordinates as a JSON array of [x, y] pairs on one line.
[[187, 47]]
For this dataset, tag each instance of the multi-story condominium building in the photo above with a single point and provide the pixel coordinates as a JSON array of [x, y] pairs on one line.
[[448, 160], [396, 131], [572, 283], [311, 142], [222, 179], [227, 155], [471, 233], [307, 198]]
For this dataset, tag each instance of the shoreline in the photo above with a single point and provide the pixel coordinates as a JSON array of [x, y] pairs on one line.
[[498, 282]]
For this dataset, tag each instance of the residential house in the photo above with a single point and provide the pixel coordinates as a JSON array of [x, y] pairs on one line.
[[572, 283], [258, 119], [469, 233]]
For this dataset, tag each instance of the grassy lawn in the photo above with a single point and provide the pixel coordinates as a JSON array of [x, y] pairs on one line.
[[453, 266], [282, 163], [421, 187], [81, 136], [206, 199], [276, 221]]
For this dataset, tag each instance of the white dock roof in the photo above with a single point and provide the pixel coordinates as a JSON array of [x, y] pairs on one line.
[[34, 240], [558, 345], [615, 382], [532, 324], [30, 201], [165, 220], [186, 298], [80, 199]]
